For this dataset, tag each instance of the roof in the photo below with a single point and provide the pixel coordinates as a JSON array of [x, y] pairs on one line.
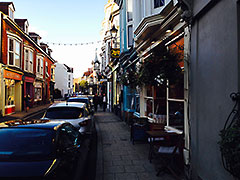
[[68, 104], [7, 4], [38, 123]]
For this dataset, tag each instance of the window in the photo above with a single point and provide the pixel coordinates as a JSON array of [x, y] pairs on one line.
[[14, 51], [38, 93], [155, 102], [175, 104], [31, 61], [11, 13], [129, 10], [158, 3], [46, 69], [41, 66], [26, 62], [38, 65], [130, 36], [9, 92]]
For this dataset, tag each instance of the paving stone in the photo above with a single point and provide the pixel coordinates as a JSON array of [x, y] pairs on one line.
[[122, 162], [134, 168], [126, 176], [108, 176], [114, 169]]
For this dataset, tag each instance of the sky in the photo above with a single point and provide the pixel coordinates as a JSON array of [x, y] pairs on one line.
[[65, 22]]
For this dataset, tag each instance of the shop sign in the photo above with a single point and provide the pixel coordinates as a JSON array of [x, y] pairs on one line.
[[12, 75], [115, 53]]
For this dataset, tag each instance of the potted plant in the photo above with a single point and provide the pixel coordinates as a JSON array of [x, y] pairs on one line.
[[230, 141]]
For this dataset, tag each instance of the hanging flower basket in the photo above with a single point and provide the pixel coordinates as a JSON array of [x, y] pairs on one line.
[[230, 142], [158, 69]]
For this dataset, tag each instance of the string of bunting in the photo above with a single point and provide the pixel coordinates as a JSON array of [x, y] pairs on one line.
[[72, 44]]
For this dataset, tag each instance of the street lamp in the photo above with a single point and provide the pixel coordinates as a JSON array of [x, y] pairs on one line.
[[113, 33]]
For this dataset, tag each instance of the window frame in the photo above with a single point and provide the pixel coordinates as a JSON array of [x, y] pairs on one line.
[[15, 39]]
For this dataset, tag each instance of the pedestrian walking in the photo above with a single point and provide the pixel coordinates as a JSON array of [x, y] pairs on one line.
[[27, 100], [95, 102], [104, 102]]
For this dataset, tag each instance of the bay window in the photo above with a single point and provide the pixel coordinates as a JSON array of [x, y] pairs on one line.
[[28, 60], [14, 52]]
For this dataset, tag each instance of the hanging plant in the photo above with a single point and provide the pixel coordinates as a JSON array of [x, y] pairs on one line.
[[157, 69], [130, 78], [230, 140]]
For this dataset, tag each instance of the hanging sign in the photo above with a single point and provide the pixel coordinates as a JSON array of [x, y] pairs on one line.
[[115, 53]]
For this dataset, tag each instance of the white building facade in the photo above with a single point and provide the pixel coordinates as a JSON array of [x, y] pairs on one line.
[[64, 79]]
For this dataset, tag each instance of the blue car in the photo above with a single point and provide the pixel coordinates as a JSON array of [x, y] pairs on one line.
[[40, 149]]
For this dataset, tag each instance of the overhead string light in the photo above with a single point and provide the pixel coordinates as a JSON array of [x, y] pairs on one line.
[[72, 44]]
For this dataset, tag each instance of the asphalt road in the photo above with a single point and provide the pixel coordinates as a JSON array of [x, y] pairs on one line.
[[88, 172]]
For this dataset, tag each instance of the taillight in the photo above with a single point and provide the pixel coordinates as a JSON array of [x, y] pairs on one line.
[[83, 123]]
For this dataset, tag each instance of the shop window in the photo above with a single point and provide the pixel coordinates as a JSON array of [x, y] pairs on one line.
[[175, 103], [155, 101], [176, 114], [38, 94], [9, 92]]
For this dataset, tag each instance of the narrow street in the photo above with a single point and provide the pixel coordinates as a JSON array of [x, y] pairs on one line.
[[118, 158]]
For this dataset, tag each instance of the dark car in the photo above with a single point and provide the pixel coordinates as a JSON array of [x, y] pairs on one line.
[[75, 113], [40, 148], [82, 99]]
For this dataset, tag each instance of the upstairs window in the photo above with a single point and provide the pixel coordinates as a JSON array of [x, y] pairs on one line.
[[26, 61], [46, 70], [40, 65], [11, 13], [14, 52], [158, 3], [130, 36], [31, 61]]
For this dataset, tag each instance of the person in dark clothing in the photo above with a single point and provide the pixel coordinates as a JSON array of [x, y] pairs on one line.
[[27, 100], [95, 102]]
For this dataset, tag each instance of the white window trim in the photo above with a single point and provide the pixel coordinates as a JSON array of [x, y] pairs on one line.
[[159, 9], [41, 57], [30, 66], [14, 37], [171, 100], [10, 9]]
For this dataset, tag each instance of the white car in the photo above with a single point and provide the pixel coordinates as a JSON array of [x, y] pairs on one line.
[[75, 113]]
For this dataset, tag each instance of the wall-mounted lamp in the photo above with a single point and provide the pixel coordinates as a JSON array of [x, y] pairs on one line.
[[169, 29], [113, 31]]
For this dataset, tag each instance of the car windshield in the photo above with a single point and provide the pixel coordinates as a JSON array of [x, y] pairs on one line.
[[81, 100], [64, 113], [26, 144]]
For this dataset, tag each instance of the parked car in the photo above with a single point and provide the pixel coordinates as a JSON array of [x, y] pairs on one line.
[[82, 99], [40, 148], [75, 113]]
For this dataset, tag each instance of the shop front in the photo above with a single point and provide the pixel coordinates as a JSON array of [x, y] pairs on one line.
[[38, 92], [29, 88], [13, 91]]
